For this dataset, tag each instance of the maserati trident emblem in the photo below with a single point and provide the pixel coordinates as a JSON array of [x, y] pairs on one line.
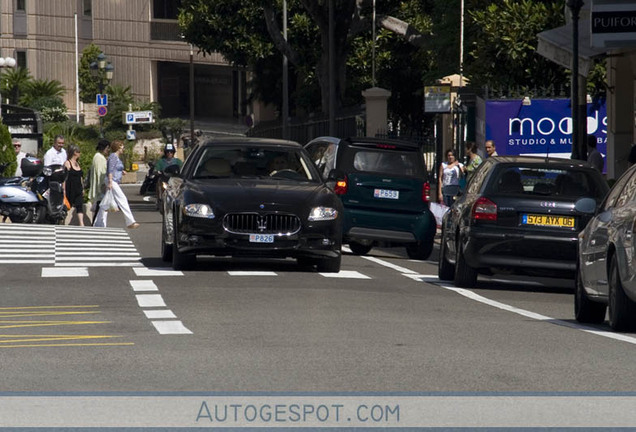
[[261, 224]]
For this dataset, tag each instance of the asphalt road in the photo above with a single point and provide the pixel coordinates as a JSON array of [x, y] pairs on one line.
[[126, 322]]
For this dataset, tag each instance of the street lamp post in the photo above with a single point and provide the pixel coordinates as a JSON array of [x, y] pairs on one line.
[[6, 62], [575, 9], [102, 71]]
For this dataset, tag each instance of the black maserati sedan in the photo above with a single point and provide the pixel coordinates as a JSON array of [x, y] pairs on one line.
[[519, 214], [250, 197]]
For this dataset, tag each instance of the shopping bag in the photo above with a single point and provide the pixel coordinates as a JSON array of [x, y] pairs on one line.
[[108, 202], [67, 204], [438, 210]]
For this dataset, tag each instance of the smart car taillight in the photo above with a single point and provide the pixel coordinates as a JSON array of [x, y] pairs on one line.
[[341, 186], [426, 192], [484, 210]]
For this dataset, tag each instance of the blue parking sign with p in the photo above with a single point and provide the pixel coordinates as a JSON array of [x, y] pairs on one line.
[[101, 99]]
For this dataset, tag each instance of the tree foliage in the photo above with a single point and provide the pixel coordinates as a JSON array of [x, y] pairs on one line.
[[12, 83], [248, 32], [89, 85], [7, 153], [502, 51], [417, 43]]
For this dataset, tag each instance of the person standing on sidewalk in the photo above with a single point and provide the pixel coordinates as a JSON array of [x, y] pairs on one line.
[[19, 155], [74, 185], [114, 174], [56, 155]]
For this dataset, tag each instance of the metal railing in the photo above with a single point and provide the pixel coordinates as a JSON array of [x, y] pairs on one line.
[[349, 122]]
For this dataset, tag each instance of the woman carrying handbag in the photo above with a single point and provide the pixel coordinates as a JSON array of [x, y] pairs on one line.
[[114, 194]]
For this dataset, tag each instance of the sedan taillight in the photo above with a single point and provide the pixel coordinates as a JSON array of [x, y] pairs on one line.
[[426, 192], [484, 210], [341, 186]]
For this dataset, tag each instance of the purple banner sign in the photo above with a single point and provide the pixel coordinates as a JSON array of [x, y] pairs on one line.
[[543, 127]]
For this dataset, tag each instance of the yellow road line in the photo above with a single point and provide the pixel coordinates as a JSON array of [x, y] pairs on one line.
[[44, 313], [47, 307], [68, 345], [38, 338], [16, 324]]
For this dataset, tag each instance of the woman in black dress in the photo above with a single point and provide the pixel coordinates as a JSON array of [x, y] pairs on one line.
[[74, 182]]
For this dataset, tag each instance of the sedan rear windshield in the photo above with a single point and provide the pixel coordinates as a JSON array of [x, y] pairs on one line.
[[570, 183], [391, 162], [255, 162]]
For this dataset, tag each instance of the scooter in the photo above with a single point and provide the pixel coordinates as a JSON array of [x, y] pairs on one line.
[[150, 182], [38, 197], [49, 187]]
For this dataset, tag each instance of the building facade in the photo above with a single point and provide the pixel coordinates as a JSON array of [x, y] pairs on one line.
[[140, 39]]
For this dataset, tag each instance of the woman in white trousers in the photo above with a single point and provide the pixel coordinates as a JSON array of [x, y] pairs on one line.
[[114, 174]]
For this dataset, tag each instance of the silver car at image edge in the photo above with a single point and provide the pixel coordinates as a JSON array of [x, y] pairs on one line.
[[606, 273]]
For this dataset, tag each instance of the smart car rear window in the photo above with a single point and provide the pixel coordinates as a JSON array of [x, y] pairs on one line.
[[392, 162]]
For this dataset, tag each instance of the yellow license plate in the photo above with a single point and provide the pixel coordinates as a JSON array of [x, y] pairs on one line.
[[548, 220]]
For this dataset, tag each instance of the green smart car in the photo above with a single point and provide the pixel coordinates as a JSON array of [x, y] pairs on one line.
[[384, 188]]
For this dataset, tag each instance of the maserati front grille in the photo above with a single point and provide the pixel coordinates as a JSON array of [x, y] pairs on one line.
[[255, 223]]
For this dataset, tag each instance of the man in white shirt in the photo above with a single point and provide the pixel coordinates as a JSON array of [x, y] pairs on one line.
[[19, 155], [490, 148], [56, 155]]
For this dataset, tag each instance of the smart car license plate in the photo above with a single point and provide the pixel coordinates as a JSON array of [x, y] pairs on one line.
[[548, 220], [261, 238], [386, 193]]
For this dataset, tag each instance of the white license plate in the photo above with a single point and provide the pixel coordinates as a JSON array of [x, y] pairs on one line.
[[386, 193], [261, 238]]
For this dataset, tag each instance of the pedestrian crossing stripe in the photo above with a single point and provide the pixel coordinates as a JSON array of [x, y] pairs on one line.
[[66, 246]]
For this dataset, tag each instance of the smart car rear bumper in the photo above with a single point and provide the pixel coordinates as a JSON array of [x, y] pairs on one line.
[[387, 226]]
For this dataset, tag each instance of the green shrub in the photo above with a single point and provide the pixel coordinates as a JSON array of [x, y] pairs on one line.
[[7, 153]]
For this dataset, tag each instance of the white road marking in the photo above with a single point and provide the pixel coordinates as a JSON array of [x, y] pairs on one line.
[[473, 296], [529, 314], [107, 263], [159, 314], [143, 285], [170, 327], [66, 246], [346, 274], [31, 261], [157, 271], [150, 300], [422, 278], [251, 273], [64, 272], [388, 264]]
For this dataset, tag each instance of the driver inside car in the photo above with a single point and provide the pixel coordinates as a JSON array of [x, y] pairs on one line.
[[277, 164]]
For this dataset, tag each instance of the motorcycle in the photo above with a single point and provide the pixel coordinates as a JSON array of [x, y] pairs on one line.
[[38, 197], [150, 182]]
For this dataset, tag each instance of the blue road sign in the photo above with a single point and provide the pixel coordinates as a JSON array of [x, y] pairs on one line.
[[130, 118], [101, 99]]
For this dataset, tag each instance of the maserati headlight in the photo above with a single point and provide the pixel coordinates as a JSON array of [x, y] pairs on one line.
[[199, 210], [322, 213]]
